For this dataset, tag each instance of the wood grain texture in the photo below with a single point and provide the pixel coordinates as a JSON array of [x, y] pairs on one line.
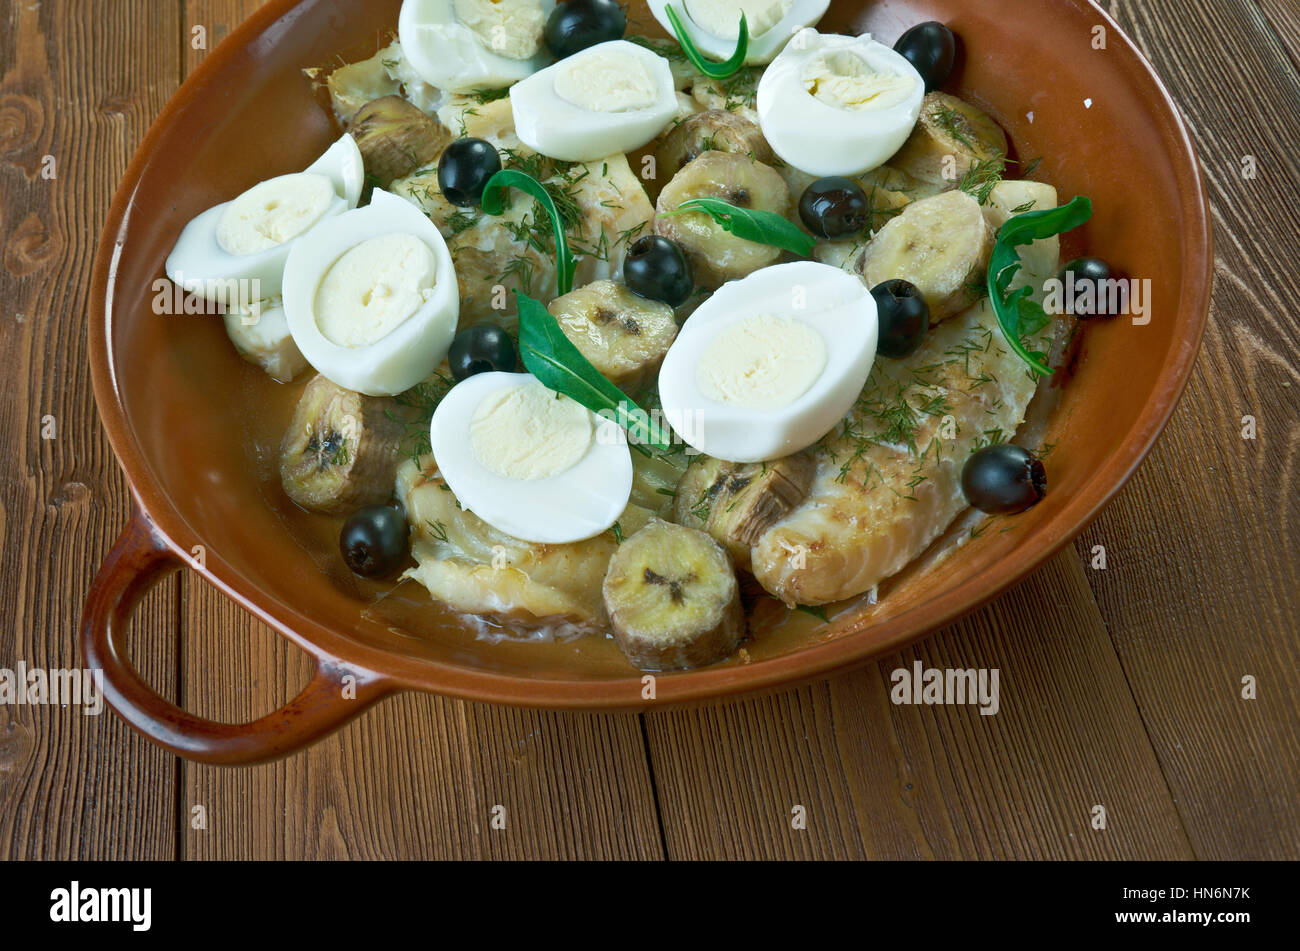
[[1284, 18], [418, 776], [1202, 586], [75, 99], [1118, 687], [884, 781]]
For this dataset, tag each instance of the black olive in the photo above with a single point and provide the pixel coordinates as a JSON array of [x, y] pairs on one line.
[[1084, 286], [464, 169], [575, 25], [903, 317], [834, 207], [931, 48], [373, 541], [481, 349], [1003, 479], [656, 268]]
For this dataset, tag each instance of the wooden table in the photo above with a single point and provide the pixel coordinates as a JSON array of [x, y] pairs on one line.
[[1127, 681]]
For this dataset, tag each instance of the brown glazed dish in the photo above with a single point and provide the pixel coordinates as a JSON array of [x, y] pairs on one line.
[[177, 401]]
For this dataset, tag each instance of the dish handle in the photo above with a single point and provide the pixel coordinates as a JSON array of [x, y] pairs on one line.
[[140, 559]]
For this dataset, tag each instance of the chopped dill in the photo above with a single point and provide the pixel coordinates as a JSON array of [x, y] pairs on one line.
[[954, 123], [980, 178], [523, 271], [482, 96], [740, 88], [668, 49], [1029, 167], [437, 530], [421, 400], [703, 506], [461, 220], [465, 114], [976, 289]]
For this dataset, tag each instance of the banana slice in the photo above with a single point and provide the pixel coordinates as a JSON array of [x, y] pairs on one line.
[[951, 136], [673, 599], [716, 255], [940, 244], [737, 502], [624, 336], [714, 130], [341, 449], [396, 138], [260, 333]]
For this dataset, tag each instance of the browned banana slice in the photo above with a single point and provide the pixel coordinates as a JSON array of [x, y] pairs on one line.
[[624, 336], [673, 599], [396, 138], [714, 130], [940, 244], [342, 448], [951, 135], [737, 502], [716, 255]]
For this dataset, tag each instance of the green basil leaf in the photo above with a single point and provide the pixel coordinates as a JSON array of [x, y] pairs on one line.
[[494, 203], [1017, 315], [765, 227], [708, 67], [551, 357]]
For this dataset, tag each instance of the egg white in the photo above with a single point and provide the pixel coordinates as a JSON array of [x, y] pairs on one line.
[[832, 302], [556, 127], [580, 502], [449, 55], [202, 266], [410, 351], [816, 137], [762, 46]]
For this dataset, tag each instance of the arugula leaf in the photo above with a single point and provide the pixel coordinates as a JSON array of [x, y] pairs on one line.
[[494, 204], [551, 357], [707, 67], [765, 227], [1017, 314]]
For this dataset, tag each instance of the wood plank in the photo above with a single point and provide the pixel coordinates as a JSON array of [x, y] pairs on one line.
[[417, 776], [1284, 18], [1203, 583], [80, 92], [886, 781]]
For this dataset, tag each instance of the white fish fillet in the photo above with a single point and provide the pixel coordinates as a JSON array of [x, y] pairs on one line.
[[888, 479], [476, 569]]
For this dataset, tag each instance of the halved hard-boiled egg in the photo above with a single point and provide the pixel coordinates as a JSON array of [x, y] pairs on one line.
[[770, 363], [463, 45], [611, 97], [714, 25], [838, 105], [249, 238], [528, 461], [371, 297]]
